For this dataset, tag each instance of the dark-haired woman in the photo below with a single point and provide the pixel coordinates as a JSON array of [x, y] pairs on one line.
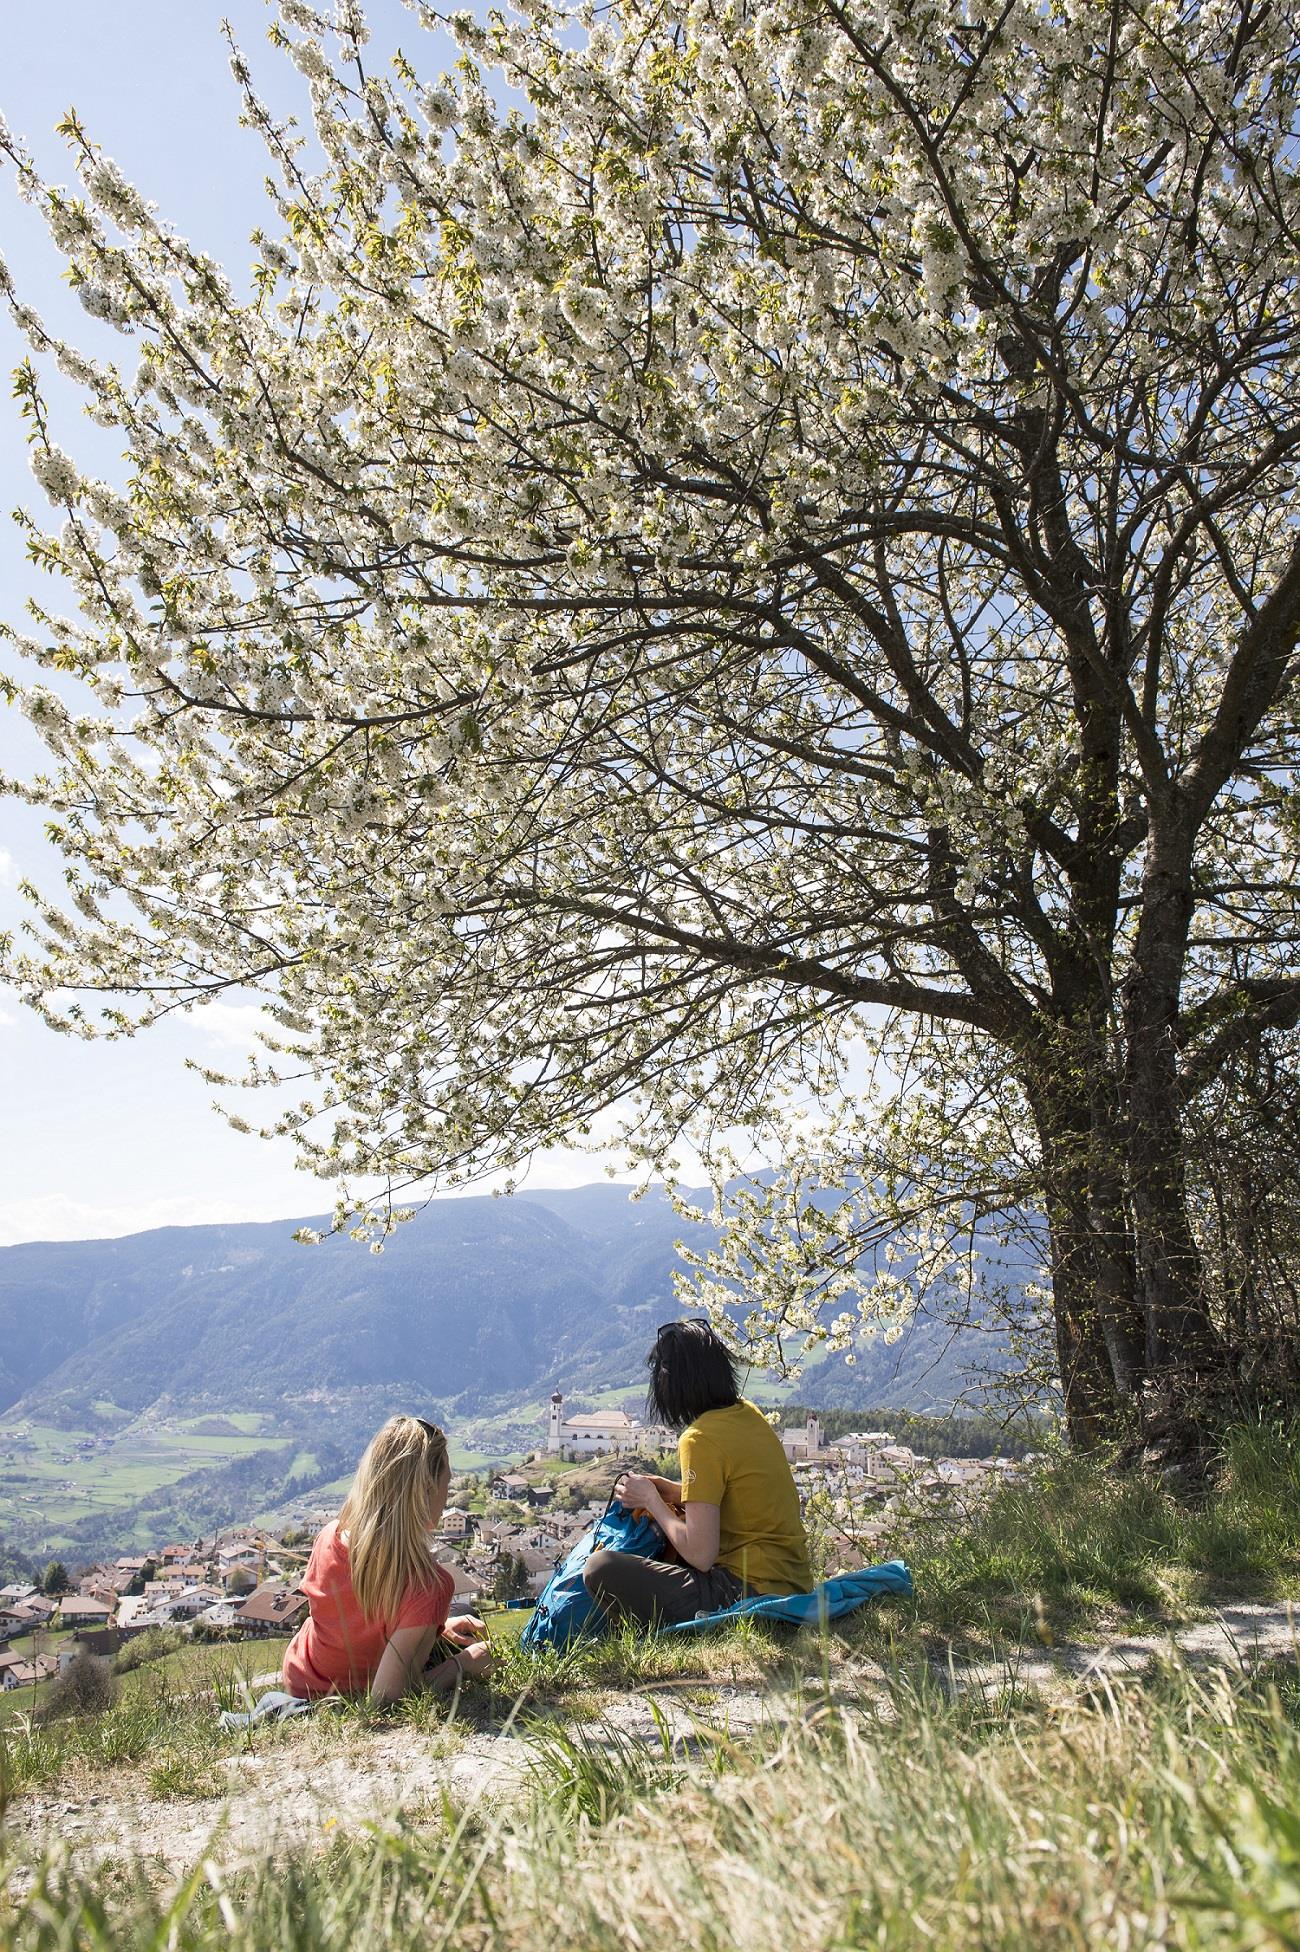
[[733, 1520]]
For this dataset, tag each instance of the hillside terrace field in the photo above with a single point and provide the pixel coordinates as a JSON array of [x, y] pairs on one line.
[[50, 1477], [53, 1479]]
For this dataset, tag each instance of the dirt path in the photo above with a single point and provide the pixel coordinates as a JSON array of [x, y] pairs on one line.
[[1239, 1633], [294, 1793], [302, 1785]]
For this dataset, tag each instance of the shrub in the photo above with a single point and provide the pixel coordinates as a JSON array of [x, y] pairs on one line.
[[151, 1645], [86, 1686]]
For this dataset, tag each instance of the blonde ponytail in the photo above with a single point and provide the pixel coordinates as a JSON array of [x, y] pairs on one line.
[[386, 1514]]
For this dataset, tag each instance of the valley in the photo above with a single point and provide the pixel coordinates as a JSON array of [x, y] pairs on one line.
[[181, 1379], [71, 1490]]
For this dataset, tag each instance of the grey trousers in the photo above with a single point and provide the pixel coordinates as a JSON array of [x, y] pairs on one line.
[[627, 1587]]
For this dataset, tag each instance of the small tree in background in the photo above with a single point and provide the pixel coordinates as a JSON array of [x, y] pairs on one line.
[[56, 1578], [510, 1581], [84, 1686]]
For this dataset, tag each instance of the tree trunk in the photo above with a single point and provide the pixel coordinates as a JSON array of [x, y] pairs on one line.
[[1093, 1410], [1180, 1338], [1099, 1331]]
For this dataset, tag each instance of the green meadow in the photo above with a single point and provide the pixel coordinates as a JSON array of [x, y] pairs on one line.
[[48, 1483]]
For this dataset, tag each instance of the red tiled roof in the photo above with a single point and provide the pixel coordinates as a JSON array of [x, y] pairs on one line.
[[274, 1603], [40, 1669]]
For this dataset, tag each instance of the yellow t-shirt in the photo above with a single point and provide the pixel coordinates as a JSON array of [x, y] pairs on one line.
[[733, 1459]]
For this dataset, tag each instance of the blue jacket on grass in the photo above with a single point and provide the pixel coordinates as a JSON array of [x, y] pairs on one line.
[[829, 1601]]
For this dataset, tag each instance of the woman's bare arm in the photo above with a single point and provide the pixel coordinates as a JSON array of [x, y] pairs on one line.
[[693, 1531], [402, 1664]]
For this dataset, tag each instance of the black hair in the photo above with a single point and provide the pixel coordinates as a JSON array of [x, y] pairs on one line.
[[691, 1371]]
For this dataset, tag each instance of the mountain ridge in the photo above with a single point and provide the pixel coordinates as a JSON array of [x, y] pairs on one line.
[[476, 1301]]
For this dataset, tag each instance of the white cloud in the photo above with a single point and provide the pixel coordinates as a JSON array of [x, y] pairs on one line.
[[59, 1216], [6, 867]]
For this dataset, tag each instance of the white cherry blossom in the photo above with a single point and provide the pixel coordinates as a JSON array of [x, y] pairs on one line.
[[774, 562]]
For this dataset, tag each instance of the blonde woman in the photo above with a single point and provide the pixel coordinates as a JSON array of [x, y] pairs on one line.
[[377, 1598]]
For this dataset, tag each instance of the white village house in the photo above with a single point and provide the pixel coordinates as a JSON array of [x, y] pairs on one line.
[[590, 1436], [802, 1446], [509, 1485], [873, 1452]]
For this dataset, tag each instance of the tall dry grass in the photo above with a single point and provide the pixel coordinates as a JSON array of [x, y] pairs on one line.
[[1161, 1814]]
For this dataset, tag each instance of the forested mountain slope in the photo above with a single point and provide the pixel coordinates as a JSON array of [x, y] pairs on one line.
[[475, 1302]]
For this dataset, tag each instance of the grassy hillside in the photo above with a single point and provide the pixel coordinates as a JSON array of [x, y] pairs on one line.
[[984, 1827], [945, 1773]]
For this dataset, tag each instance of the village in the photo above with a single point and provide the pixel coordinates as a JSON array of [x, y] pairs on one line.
[[501, 1537]]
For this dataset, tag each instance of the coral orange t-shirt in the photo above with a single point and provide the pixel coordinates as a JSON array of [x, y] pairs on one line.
[[336, 1649]]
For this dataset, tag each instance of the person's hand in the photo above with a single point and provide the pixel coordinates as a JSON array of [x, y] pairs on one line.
[[463, 1629], [474, 1660], [637, 1493]]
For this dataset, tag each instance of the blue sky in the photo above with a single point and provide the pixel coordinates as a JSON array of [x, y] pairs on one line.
[[100, 1139]]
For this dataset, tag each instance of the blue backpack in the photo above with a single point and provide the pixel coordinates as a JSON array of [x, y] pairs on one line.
[[566, 1608]]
